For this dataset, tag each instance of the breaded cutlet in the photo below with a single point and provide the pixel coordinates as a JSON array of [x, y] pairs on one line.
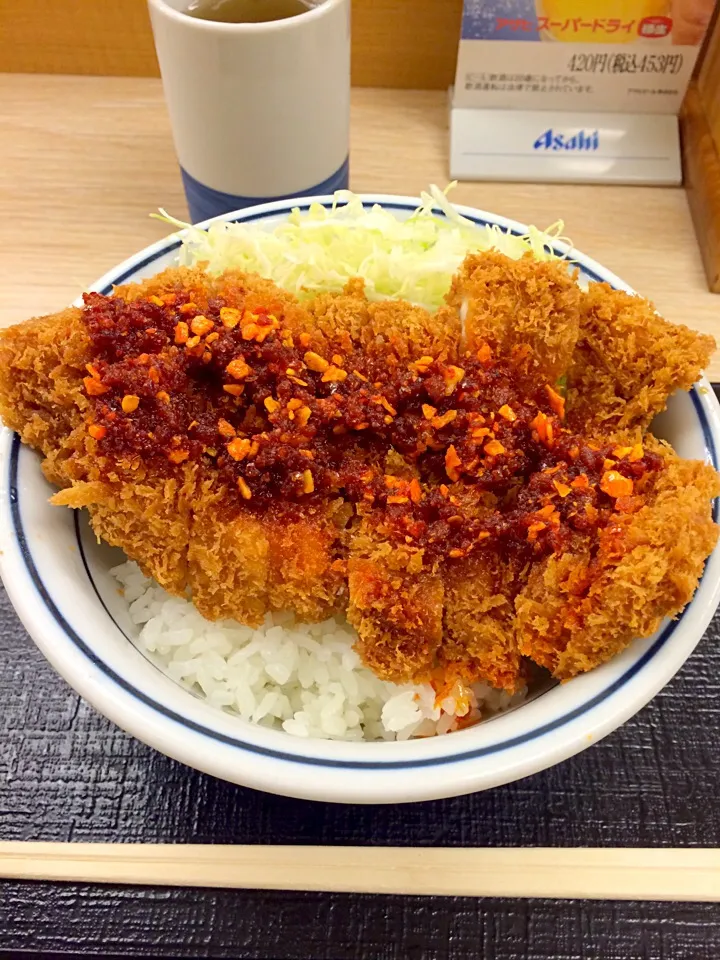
[[580, 607], [183, 527], [479, 615], [396, 605], [523, 309], [410, 460], [393, 330], [628, 361]]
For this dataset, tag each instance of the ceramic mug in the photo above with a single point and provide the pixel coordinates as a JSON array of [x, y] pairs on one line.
[[259, 111]]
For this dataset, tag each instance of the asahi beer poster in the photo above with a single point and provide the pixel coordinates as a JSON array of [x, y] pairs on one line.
[[632, 56]]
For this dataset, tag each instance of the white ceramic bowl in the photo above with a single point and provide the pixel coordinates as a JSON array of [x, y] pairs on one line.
[[57, 578]]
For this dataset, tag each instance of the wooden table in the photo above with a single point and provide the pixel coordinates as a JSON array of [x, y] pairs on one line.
[[84, 160], [82, 163]]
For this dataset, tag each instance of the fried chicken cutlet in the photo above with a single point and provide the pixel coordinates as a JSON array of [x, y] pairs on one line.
[[582, 606], [429, 473], [627, 361]]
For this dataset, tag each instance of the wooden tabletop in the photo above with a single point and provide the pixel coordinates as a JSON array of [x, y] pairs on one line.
[[84, 160]]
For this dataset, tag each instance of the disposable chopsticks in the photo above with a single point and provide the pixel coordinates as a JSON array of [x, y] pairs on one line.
[[585, 873]]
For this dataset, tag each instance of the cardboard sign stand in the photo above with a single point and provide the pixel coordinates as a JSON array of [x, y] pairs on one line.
[[563, 90], [554, 145]]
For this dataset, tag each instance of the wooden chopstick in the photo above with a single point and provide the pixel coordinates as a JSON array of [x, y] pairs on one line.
[[582, 873]]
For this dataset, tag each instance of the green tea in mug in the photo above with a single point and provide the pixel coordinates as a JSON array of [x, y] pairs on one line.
[[247, 11]]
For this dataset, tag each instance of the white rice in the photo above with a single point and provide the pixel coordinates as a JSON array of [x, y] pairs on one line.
[[305, 679]]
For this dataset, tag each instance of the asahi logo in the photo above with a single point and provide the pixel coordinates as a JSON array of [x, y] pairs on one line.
[[582, 140]]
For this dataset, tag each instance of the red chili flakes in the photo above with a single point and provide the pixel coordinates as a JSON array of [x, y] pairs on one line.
[[444, 420], [308, 483], [452, 463], [237, 368], [316, 363], [93, 387], [615, 485], [452, 376], [494, 448], [200, 325], [484, 354], [339, 433], [302, 415], [334, 374], [226, 429], [239, 448], [422, 365], [257, 326], [229, 317], [557, 403], [540, 425], [386, 405], [245, 491]]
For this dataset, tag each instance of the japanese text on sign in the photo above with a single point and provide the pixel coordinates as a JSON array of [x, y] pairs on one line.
[[647, 27], [621, 62]]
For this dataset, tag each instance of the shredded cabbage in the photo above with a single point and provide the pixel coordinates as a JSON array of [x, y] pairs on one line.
[[322, 249]]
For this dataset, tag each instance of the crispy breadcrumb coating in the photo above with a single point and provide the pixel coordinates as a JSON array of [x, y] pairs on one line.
[[523, 309], [392, 329], [580, 608], [479, 616], [396, 606], [628, 361], [552, 552]]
